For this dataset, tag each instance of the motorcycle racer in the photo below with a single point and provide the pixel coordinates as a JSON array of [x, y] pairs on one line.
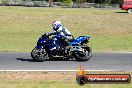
[[61, 45], [59, 29]]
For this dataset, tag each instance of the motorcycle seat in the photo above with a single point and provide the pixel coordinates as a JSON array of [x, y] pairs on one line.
[[71, 40]]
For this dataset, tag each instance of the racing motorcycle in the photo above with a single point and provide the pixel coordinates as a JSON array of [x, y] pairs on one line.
[[54, 47]]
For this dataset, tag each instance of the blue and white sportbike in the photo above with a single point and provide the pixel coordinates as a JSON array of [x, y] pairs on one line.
[[52, 48]]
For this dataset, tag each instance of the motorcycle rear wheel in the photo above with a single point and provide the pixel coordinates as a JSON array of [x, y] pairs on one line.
[[39, 55], [85, 56]]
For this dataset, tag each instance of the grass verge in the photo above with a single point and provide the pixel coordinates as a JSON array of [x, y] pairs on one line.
[[51, 80], [20, 27]]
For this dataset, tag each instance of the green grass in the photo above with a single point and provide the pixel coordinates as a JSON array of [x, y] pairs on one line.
[[20, 27], [56, 84], [52, 80]]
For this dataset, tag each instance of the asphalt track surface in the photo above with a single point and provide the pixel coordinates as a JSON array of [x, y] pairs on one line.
[[99, 62]]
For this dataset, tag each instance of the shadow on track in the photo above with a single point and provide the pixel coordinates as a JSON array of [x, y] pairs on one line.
[[24, 59], [55, 59], [122, 12]]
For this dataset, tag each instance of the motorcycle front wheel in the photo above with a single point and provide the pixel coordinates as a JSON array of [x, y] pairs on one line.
[[39, 54]]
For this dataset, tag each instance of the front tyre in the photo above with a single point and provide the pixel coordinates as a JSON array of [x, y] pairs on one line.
[[85, 55], [129, 10], [39, 54]]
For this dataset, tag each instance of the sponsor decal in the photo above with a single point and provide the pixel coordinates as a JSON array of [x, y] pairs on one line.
[[82, 77]]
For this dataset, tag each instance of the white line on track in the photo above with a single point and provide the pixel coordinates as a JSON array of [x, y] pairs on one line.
[[47, 70]]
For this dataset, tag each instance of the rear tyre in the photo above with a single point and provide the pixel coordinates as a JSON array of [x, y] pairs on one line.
[[129, 10], [84, 56], [39, 54]]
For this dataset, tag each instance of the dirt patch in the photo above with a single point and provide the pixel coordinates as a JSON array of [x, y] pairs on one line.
[[38, 76]]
